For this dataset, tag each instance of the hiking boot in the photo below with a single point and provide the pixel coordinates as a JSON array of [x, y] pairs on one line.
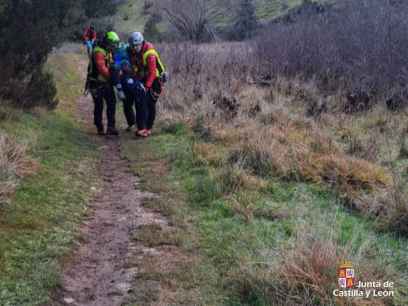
[[100, 130], [112, 131]]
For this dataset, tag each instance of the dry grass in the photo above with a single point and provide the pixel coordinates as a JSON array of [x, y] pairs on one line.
[[294, 152], [208, 153], [304, 272], [154, 235], [14, 165], [309, 269], [285, 128], [310, 266]]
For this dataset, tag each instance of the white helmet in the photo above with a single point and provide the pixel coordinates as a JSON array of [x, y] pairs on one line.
[[136, 38]]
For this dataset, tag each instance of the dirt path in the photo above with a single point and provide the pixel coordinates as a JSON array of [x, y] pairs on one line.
[[99, 273]]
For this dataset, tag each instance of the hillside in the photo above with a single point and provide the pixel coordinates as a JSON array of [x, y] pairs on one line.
[[130, 16]]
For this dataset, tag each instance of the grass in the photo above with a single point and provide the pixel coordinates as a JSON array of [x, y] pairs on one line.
[[266, 9], [39, 223], [14, 165], [257, 239], [130, 17]]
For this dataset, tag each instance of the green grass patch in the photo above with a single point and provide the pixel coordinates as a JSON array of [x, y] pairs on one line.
[[38, 226]]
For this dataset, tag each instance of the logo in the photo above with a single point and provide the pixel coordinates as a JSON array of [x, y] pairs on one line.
[[351, 288], [346, 275]]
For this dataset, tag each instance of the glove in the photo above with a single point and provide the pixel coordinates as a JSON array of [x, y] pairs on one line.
[[155, 96], [143, 88], [164, 77], [121, 95]]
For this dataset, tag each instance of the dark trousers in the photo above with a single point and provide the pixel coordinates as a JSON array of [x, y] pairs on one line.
[[151, 110], [104, 94], [135, 100], [131, 103], [129, 111], [151, 100]]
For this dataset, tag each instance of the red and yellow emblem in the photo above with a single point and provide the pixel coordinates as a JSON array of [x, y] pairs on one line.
[[346, 275]]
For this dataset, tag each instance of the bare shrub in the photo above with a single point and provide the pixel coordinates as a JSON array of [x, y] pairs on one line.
[[398, 100], [353, 45], [192, 19], [228, 105], [357, 101]]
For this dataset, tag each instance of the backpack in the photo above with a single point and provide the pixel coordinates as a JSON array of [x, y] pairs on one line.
[[92, 77]]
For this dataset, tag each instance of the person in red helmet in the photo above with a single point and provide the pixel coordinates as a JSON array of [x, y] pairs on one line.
[[149, 69], [89, 38]]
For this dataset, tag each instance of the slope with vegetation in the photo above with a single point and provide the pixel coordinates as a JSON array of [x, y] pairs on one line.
[[48, 172], [274, 161]]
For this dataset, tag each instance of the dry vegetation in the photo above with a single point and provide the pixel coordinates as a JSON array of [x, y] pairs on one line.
[[254, 127], [358, 46], [291, 129], [304, 272], [14, 165]]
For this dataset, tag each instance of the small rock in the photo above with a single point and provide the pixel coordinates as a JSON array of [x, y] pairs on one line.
[[69, 300], [123, 287]]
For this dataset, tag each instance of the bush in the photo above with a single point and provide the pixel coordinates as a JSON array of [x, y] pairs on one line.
[[29, 31], [356, 45], [41, 90]]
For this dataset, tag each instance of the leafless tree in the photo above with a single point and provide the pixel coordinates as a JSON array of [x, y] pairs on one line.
[[194, 19]]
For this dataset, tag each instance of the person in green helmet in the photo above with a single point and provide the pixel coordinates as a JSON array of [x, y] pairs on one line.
[[100, 83]]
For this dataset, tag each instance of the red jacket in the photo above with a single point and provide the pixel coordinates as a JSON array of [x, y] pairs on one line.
[[145, 74], [89, 34]]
